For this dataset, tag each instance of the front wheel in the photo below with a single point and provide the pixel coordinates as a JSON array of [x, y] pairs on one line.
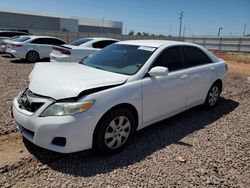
[[114, 131], [213, 95]]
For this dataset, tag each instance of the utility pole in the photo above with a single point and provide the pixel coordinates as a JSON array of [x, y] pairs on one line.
[[103, 25], [219, 31], [180, 18], [184, 29], [244, 30], [170, 30]]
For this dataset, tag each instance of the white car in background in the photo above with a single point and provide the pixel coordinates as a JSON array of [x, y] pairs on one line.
[[79, 49], [3, 43], [123, 88], [33, 48], [6, 35]]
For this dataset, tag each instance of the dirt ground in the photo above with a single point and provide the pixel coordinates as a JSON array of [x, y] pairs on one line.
[[239, 64], [197, 148]]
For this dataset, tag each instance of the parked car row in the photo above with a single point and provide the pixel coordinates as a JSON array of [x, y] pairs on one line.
[[9, 34], [34, 48]]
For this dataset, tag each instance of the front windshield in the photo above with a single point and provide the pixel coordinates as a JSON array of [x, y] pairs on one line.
[[120, 58], [79, 42]]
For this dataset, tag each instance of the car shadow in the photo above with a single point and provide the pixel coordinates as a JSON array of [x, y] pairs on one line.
[[144, 143], [24, 61]]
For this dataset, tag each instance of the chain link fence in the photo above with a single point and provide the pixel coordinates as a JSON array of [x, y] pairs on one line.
[[237, 44]]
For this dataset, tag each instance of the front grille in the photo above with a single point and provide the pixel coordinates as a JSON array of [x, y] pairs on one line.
[[24, 102]]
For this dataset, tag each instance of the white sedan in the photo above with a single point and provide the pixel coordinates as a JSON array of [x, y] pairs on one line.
[[123, 88], [32, 48], [79, 49]]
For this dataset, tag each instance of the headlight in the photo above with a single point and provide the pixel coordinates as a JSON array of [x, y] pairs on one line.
[[67, 108]]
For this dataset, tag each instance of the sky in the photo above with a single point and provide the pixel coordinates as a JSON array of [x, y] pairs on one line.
[[201, 17]]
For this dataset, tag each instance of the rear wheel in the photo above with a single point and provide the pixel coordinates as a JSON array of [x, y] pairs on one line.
[[32, 56], [114, 131], [213, 95]]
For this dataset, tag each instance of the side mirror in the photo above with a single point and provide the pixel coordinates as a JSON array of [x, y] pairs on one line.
[[158, 71]]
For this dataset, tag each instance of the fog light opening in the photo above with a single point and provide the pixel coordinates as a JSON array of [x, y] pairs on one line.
[[60, 141]]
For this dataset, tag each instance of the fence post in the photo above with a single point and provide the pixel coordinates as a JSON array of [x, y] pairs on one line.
[[204, 42], [220, 42], [239, 45], [67, 36]]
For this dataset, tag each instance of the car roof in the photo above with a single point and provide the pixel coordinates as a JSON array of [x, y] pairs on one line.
[[37, 36], [154, 43]]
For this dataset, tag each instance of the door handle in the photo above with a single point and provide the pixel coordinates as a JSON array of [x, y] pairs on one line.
[[184, 76], [212, 68]]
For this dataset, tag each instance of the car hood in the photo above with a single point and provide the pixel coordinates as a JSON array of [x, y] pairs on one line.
[[66, 80]]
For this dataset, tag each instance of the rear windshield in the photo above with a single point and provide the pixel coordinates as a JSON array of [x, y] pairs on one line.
[[21, 39], [79, 42]]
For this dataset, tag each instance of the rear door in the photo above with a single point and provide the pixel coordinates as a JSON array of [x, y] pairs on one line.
[[200, 69], [42, 47], [45, 45]]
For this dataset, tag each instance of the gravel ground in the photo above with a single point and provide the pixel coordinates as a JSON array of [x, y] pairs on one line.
[[197, 148], [13, 78]]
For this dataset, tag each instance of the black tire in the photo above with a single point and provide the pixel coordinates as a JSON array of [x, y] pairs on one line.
[[213, 95], [32, 56], [106, 139]]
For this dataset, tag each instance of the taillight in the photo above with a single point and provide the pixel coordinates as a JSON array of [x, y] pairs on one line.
[[63, 51], [16, 45]]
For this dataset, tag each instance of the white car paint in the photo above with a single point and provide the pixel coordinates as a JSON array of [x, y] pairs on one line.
[[20, 49], [74, 84], [77, 53], [154, 97]]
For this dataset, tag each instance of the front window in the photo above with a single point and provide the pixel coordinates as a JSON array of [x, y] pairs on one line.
[[119, 58]]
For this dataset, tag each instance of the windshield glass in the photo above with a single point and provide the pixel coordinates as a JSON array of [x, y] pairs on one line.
[[79, 42], [119, 58], [21, 39]]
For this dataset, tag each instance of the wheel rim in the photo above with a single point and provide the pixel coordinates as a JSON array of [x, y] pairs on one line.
[[213, 96], [32, 56], [117, 132]]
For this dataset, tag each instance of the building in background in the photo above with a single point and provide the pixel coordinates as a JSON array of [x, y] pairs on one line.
[[35, 21]]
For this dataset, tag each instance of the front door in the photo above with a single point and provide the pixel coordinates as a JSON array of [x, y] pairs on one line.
[[165, 95]]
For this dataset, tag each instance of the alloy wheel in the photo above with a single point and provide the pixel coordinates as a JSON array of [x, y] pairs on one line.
[[117, 132], [213, 96]]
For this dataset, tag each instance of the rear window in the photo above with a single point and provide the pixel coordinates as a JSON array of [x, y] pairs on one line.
[[21, 39], [194, 56], [79, 42], [103, 44]]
